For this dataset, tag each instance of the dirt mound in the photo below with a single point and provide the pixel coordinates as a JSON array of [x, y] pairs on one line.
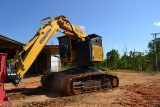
[[146, 95]]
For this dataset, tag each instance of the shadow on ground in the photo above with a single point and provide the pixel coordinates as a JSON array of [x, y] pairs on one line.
[[33, 91]]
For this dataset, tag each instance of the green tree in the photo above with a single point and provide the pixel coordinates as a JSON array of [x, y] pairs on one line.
[[124, 62], [149, 60], [112, 58], [151, 55], [133, 61]]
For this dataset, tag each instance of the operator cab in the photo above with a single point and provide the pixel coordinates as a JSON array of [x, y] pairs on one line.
[[81, 52]]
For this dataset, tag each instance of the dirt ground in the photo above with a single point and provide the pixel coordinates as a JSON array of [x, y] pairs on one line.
[[136, 89]]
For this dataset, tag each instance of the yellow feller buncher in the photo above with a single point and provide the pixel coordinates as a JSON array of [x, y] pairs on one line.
[[76, 48]]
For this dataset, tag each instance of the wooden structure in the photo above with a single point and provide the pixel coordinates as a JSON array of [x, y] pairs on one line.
[[13, 47]]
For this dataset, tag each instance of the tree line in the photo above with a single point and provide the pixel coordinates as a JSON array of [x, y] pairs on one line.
[[140, 61]]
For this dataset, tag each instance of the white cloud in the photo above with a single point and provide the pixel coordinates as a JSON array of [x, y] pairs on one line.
[[116, 46], [157, 23], [82, 27]]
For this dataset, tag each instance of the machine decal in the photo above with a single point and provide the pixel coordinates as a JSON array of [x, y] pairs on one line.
[[44, 37]]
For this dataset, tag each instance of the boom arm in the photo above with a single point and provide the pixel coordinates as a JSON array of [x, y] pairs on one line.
[[36, 44]]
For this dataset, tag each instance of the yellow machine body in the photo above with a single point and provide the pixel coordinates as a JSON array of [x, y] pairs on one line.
[[72, 34]]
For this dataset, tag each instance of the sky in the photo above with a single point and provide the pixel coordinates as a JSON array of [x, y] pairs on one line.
[[125, 25]]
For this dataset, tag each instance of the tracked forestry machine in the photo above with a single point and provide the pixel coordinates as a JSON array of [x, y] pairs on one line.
[[76, 48]]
